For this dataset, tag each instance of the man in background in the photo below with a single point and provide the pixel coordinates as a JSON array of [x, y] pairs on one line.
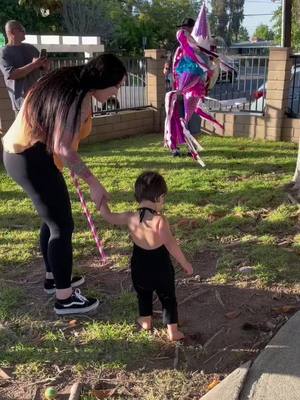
[[20, 64]]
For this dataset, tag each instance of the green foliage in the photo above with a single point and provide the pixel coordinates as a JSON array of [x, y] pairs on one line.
[[155, 21], [295, 26], [40, 5], [226, 19], [263, 32], [125, 26], [33, 22], [243, 35]]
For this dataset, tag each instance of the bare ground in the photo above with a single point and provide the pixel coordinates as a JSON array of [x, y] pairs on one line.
[[225, 325]]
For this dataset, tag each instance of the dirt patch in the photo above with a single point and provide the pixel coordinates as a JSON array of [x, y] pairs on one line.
[[225, 325]]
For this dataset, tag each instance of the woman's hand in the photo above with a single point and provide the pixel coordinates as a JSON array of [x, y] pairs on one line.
[[188, 268], [97, 191]]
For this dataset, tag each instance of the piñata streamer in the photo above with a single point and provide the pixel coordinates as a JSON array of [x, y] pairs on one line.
[[99, 244]]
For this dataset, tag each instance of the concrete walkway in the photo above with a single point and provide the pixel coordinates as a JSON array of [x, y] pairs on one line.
[[274, 375]]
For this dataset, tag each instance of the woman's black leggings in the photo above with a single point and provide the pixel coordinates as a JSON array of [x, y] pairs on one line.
[[34, 170]]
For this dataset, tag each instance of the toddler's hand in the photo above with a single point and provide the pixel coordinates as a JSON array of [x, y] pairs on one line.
[[188, 268]]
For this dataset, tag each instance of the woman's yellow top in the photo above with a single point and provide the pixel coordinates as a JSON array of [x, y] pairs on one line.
[[19, 136]]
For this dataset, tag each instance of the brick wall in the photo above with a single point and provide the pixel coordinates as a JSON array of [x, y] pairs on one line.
[[6, 112], [274, 124], [123, 124]]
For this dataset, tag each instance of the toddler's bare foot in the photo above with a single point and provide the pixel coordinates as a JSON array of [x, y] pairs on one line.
[[145, 323], [174, 333]]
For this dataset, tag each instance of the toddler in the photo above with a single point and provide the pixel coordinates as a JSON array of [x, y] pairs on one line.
[[153, 242]]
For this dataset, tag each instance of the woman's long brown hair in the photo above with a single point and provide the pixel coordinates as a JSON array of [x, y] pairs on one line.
[[52, 97]]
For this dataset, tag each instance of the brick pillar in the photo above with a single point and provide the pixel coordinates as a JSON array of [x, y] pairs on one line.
[[7, 114], [156, 86], [278, 81]]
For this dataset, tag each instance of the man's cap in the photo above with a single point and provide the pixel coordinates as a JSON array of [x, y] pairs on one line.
[[189, 22]]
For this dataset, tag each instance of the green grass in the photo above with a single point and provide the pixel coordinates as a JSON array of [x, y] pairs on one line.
[[238, 194], [236, 206]]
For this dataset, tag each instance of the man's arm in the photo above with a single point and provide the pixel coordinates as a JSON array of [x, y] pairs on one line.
[[11, 72], [20, 73]]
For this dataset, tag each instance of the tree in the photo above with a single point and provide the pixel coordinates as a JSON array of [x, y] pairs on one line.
[[219, 18], [243, 35], [42, 7], [226, 18], [87, 17], [36, 24], [263, 32], [295, 26], [154, 21], [236, 16], [126, 24]]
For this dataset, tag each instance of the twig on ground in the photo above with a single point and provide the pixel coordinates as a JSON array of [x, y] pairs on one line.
[[192, 296], [176, 358], [35, 394], [218, 297], [52, 379], [292, 199], [214, 355], [209, 341], [24, 282], [218, 352], [218, 362], [42, 381]]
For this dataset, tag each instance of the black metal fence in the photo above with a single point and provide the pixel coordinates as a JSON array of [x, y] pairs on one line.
[[132, 94], [241, 90]]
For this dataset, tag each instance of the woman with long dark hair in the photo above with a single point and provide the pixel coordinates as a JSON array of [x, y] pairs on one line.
[[55, 116]]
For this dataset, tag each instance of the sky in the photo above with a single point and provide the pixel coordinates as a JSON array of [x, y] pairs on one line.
[[258, 7]]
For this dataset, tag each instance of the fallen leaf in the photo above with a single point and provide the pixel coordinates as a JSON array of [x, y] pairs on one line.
[[102, 394], [285, 309], [73, 322], [214, 383], [233, 314], [4, 374]]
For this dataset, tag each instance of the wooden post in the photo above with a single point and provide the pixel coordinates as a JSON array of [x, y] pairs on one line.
[[286, 23]]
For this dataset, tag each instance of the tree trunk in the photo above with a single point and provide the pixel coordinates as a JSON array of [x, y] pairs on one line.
[[296, 177]]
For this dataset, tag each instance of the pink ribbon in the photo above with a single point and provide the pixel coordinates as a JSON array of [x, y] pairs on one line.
[[89, 218]]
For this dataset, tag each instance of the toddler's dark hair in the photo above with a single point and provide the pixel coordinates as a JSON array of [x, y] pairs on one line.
[[149, 186]]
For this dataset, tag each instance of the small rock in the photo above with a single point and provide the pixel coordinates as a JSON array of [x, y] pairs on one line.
[[270, 325], [246, 270]]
